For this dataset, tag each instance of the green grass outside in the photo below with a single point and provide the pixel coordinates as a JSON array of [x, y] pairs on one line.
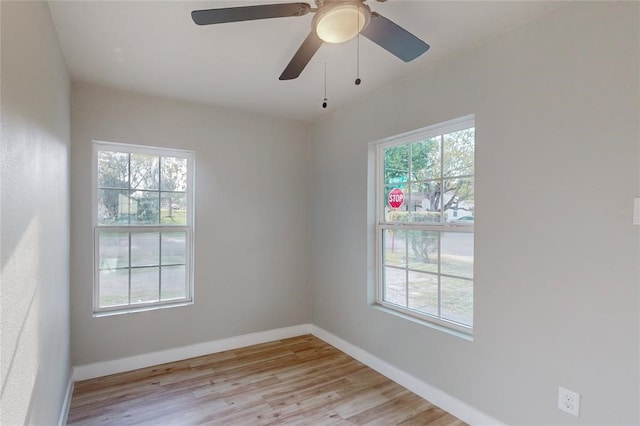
[[175, 217], [456, 294]]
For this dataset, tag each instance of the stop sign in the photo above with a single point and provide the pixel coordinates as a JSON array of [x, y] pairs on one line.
[[396, 198]]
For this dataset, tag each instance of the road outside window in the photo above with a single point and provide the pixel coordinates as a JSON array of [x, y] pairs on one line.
[[143, 221], [425, 221]]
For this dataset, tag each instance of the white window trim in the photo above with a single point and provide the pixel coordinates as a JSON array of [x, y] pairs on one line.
[[408, 137], [189, 228]]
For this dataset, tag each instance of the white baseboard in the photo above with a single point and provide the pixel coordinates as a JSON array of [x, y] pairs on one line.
[[99, 369], [66, 403], [434, 395]]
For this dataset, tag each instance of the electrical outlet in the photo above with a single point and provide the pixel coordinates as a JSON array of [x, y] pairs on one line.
[[569, 401]]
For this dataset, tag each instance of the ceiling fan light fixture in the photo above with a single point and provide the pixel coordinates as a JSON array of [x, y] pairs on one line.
[[342, 22]]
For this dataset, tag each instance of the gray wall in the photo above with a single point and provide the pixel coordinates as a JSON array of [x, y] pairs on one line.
[[34, 217], [251, 220], [557, 299], [556, 290]]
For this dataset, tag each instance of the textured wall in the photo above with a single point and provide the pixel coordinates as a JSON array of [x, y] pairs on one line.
[[251, 221], [556, 266], [34, 217]]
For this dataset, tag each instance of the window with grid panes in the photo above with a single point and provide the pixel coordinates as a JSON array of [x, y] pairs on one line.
[[425, 220], [143, 227]]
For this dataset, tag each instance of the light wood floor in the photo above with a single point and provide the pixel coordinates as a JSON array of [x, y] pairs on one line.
[[301, 380]]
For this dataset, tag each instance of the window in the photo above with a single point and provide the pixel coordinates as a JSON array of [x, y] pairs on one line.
[[425, 217], [143, 227]]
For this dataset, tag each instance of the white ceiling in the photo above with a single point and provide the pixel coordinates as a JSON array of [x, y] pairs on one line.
[[154, 47]]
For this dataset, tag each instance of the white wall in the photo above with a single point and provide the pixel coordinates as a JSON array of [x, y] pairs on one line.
[[556, 290], [34, 217], [251, 219]]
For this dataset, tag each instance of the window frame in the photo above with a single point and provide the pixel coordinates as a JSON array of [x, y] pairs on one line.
[[132, 229], [381, 224]]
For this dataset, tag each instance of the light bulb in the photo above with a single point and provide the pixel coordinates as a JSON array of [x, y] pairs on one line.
[[342, 22]]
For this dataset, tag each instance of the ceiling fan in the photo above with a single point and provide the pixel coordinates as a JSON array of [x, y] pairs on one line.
[[336, 21]]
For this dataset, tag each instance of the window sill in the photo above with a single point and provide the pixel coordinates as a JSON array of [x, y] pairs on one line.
[[453, 332], [132, 310]]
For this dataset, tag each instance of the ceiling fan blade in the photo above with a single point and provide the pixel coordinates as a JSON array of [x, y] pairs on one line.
[[305, 52], [394, 38], [249, 13]]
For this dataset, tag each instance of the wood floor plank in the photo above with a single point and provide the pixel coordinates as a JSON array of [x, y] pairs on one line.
[[295, 381]]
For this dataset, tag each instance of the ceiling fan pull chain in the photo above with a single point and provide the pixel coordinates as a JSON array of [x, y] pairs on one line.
[[358, 81], [324, 102]]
